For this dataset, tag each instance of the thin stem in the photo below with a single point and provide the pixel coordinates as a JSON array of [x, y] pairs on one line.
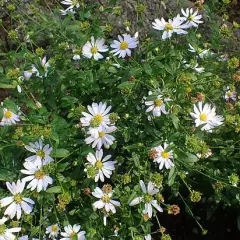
[[190, 211]]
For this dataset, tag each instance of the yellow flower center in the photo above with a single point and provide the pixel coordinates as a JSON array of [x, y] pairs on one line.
[[168, 27], [229, 93], [158, 102], [40, 153], [54, 228], [148, 198], [203, 117], [99, 164], [96, 121], [18, 198], [101, 134], [165, 154], [106, 199], [190, 18], [72, 235], [94, 50], [39, 174], [123, 45], [8, 114]]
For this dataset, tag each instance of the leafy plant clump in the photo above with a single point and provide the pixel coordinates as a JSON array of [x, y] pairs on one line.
[[104, 132]]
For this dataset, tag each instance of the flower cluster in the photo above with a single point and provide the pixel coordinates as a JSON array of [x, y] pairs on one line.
[[178, 24], [71, 160], [121, 47]]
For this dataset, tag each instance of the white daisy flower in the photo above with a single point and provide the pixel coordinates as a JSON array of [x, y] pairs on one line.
[[199, 69], [45, 65], [123, 46], [25, 237], [148, 237], [204, 115], [42, 153], [73, 231], [71, 3], [163, 157], [230, 95], [201, 53], [172, 26], [53, 230], [103, 167], [94, 47], [19, 83], [76, 57], [38, 178], [64, 12], [206, 155], [147, 198], [28, 74], [7, 233], [193, 20], [103, 138], [17, 202], [9, 118], [105, 200], [97, 119], [157, 106]]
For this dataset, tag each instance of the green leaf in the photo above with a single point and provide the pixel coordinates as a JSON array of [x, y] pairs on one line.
[[60, 153], [75, 237], [94, 216], [175, 120], [112, 70], [11, 105], [147, 68], [171, 176], [188, 158], [62, 166], [55, 189], [133, 229], [135, 71], [126, 85], [6, 175]]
